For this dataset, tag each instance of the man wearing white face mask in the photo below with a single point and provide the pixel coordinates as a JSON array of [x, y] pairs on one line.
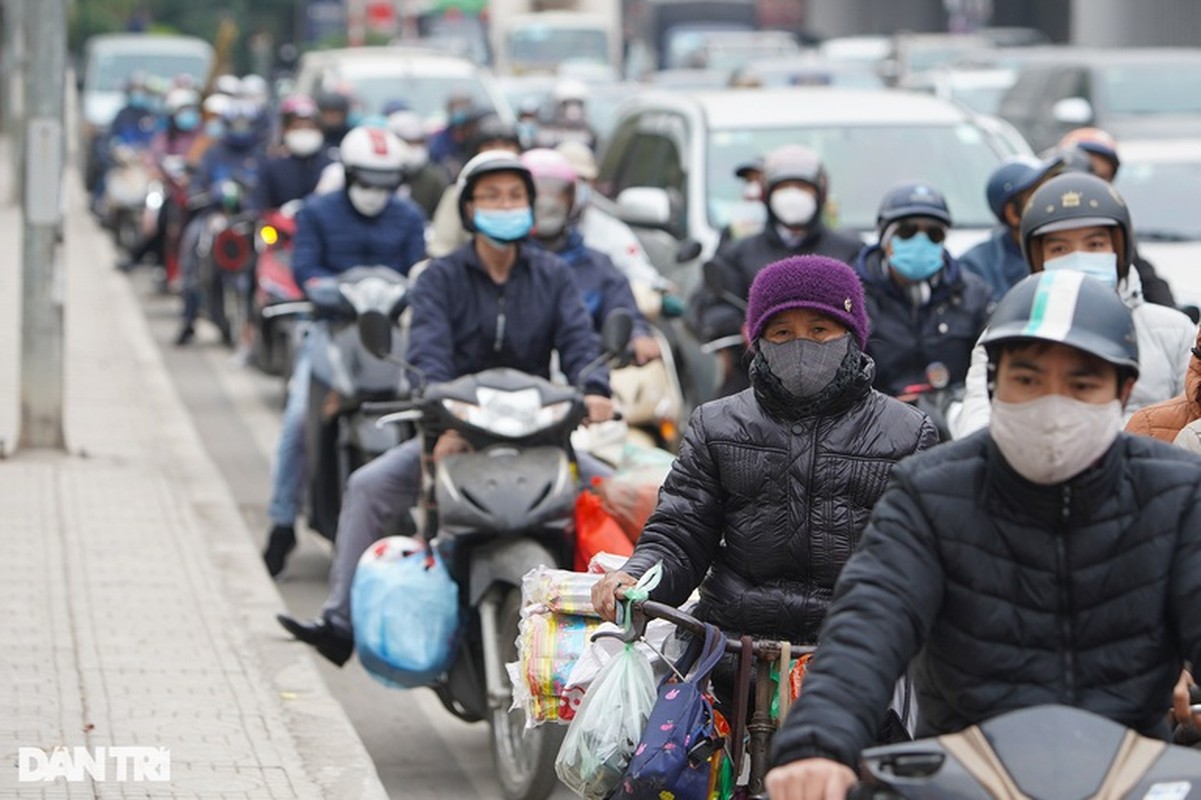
[[363, 224], [1079, 223], [1050, 559], [795, 189], [293, 174]]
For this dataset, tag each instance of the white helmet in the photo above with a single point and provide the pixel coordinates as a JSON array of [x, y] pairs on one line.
[[373, 157], [177, 99], [228, 85], [568, 90], [255, 88], [407, 126]]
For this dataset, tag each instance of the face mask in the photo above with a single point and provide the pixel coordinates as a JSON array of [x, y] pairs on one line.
[[303, 142], [419, 156], [1054, 438], [369, 201], [793, 207], [139, 100], [1102, 266], [504, 225], [550, 216], [573, 112], [803, 366], [752, 192], [916, 258], [459, 116], [187, 120], [214, 129], [527, 131]]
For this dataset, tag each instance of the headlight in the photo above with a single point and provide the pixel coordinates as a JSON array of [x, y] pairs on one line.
[[269, 235], [511, 415]]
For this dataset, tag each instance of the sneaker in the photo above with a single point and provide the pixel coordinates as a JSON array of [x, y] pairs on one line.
[[280, 543], [186, 334]]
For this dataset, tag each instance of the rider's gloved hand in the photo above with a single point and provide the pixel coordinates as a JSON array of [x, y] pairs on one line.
[[604, 597], [810, 779], [600, 409]]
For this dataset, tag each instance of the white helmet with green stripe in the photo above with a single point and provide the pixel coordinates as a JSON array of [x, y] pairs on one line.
[[1069, 308]]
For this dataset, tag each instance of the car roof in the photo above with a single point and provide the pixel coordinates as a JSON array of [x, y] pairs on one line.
[[387, 57], [143, 42], [1152, 151], [809, 106]]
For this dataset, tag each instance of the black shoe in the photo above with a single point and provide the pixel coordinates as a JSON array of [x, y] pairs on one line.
[[227, 335], [280, 542], [126, 265], [185, 335], [329, 641]]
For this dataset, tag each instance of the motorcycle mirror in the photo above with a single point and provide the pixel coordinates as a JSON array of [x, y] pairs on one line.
[[689, 250], [616, 331], [717, 281], [375, 331]]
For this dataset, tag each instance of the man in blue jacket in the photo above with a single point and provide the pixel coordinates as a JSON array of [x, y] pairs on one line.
[[495, 302], [364, 224], [998, 259], [294, 173]]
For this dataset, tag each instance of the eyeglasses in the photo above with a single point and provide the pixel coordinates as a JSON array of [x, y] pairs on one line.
[[907, 230]]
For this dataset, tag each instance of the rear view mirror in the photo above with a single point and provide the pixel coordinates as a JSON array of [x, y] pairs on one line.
[[1073, 111], [690, 250], [616, 331], [375, 332], [645, 206], [717, 281]]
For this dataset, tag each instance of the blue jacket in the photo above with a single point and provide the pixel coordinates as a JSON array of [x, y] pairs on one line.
[[464, 323], [906, 338], [222, 162], [601, 285], [286, 178], [998, 260], [331, 237], [133, 126]]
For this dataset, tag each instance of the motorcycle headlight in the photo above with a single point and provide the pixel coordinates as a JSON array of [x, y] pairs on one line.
[[511, 415], [269, 235]]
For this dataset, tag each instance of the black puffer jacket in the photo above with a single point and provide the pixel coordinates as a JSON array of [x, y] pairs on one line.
[[1011, 595], [907, 338], [767, 510], [740, 260]]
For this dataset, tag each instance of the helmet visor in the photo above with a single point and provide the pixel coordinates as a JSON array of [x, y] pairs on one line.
[[376, 178], [1072, 224]]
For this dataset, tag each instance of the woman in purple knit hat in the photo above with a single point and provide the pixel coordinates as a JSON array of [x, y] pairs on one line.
[[774, 485]]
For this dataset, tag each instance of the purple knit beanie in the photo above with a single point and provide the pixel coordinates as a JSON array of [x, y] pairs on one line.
[[817, 282]]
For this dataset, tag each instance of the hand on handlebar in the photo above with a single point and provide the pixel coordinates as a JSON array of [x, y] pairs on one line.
[[645, 349], [604, 593], [810, 779], [600, 409], [449, 443], [1181, 701]]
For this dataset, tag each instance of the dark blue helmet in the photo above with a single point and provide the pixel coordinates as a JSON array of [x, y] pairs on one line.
[[1015, 176], [913, 199]]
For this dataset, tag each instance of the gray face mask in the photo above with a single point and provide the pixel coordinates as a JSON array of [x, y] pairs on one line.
[[803, 366]]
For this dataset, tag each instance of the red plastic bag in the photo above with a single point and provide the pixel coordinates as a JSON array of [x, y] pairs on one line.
[[596, 532]]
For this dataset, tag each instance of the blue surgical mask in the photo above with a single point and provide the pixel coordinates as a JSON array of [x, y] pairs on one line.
[[214, 129], [504, 225], [916, 258], [187, 119], [459, 116], [1102, 266], [139, 100]]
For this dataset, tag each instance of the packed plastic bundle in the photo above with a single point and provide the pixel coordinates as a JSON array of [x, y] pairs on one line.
[[561, 591], [548, 646]]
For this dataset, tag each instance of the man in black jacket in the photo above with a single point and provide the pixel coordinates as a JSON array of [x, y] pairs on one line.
[[794, 191], [1050, 559], [926, 311]]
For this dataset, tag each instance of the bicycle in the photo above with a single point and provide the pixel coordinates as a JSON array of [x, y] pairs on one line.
[[748, 737]]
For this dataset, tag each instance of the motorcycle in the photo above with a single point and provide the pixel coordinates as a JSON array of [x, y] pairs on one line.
[[351, 371], [225, 257], [168, 197], [499, 511], [1040, 752], [937, 398], [126, 186], [272, 345]]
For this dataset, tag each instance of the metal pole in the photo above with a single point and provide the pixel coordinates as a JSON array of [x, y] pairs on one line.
[[14, 88], [42, 284]]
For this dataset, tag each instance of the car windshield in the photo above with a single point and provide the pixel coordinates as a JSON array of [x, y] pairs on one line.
[[1143, 89], [862, 162], [426, 94], [1163, 198], [110, 71], [544, 45]]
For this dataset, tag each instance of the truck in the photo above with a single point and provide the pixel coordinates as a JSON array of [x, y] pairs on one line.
[[538, 36]]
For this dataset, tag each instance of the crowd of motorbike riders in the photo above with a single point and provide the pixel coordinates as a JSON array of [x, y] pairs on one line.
[[1044, 556]]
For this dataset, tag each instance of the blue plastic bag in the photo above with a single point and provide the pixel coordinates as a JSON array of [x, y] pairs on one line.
[[405, 610]]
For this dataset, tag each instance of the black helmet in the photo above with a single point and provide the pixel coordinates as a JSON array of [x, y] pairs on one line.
[[334, 101], [491, 128], [1069, 308], [912, 199], [1076, 200], [794, 162], [487, 163]]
